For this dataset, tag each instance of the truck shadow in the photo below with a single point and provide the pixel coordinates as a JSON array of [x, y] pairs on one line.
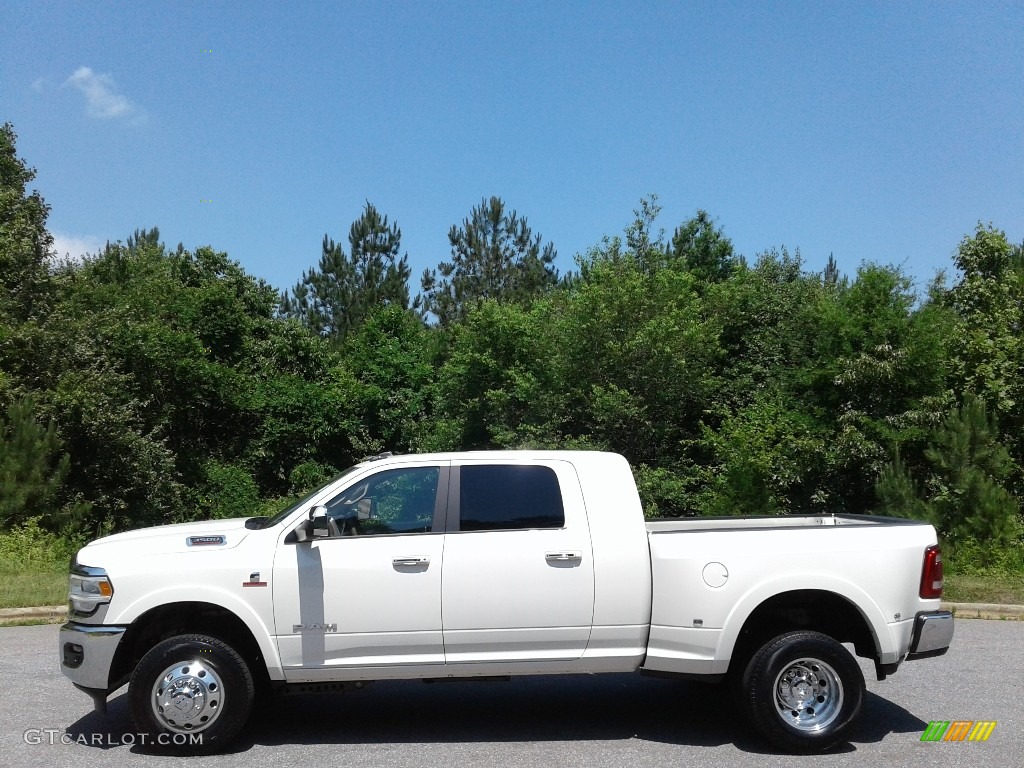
[[563, 708]]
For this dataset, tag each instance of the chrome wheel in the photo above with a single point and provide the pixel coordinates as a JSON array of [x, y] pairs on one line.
[[808, 694], [188, 697], [178, 691], [803, 691]]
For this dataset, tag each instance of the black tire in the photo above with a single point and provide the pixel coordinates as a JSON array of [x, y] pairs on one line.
[[803, 691], [190, 694]]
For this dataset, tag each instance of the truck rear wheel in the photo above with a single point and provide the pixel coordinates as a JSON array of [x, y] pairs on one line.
[[803, 691], [190, 694]]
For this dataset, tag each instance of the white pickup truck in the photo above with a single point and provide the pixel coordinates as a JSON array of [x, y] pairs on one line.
[[490, 565]]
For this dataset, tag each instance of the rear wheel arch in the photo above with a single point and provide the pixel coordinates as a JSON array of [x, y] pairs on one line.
[[821, 611]]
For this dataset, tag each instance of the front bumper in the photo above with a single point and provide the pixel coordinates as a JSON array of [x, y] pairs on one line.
[[933, 632], [87, 652]]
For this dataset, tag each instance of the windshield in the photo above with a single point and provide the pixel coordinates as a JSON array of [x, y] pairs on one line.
[[270, 522]]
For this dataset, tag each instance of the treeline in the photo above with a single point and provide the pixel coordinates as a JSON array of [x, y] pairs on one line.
[[149, 384]]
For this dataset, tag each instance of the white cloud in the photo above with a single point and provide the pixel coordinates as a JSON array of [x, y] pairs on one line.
[[102, 98], [39, 84], [74, 247]]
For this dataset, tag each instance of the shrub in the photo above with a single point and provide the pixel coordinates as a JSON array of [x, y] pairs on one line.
[[229, 492], [28, 547]]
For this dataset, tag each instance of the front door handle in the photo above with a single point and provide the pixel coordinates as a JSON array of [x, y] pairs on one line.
[[410, 562], [563, 557]]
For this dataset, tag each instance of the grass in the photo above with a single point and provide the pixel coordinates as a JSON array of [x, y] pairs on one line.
[[34, 566], [1003, 589], [30, 622], [29, 588]]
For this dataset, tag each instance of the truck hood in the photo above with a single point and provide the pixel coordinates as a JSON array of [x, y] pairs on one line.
[[210, 536]]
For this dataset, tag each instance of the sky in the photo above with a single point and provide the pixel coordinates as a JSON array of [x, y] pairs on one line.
[[876, 132]]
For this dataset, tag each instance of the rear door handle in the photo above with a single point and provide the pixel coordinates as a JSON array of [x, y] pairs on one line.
[[410, 562], [562, 557]]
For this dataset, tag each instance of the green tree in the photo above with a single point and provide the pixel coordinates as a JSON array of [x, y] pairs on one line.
[[25, 245], [495, 255], [697, 245], [636, 358], [392, 362], [228, 492], [969, 471], [898, 492], [830, 275], [987, 355], [703, 248], [159, 364], [856, 367], [879, 376], [32, 467], [629, 359], [336, 297], [964, 489], [645, 245], [495, 387]]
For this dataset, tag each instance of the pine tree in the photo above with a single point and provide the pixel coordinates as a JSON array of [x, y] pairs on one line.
[[495, 255], [336, 297], [899, 494], [970, 467], [830, 277], [32, 467], [702, 247]]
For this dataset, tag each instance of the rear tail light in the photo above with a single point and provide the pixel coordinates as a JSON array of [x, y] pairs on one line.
[[931, 574]]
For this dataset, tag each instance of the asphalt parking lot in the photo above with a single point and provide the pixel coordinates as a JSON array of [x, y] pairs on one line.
[[608, 720]]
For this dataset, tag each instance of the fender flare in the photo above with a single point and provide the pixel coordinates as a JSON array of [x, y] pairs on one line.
[[885, 644], [211, 596]]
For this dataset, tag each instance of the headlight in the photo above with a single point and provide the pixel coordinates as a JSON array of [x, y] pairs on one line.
[[88, 589]]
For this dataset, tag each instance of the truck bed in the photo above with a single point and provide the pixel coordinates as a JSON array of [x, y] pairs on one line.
[[704, 585], [761, 522]]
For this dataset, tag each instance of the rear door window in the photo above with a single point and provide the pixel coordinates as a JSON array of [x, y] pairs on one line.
[[509, 497]]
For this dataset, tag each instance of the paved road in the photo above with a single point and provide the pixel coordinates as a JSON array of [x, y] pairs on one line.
[[610, 720]]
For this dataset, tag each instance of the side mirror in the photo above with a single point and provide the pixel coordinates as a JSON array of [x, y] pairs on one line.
[[316, 527], [320, 527]]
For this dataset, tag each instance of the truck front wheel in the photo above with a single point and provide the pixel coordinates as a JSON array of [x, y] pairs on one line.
[[190, 694], [803, 691]]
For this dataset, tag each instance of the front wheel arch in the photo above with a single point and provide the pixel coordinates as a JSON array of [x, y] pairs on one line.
[[183, 618]]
